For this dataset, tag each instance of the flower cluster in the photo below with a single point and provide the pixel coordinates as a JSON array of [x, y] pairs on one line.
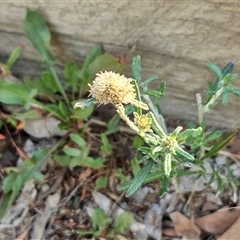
[[110, 87], [116, 89]]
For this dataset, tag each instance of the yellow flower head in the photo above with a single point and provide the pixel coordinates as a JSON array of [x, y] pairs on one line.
[[110, 87], [143, 122]]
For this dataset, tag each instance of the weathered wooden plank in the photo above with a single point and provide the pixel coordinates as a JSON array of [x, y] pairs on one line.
[[174, 38]]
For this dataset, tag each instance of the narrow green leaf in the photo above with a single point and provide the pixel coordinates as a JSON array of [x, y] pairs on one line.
[[215, 69], [94, 53], [212, 136], [63, 110], [221, 144], [164, 185], [136, 68], [236, 92], [39, 34], [84, 232], [154, 176], [149, 80], [72, 72], [7, 202], [135, 166], [112, 126], [228, 68], [31, 114], [14, 56], [139, 179], [225, 97], [155, 94]]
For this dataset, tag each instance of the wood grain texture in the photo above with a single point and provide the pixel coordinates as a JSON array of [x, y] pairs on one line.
[[174, 38]]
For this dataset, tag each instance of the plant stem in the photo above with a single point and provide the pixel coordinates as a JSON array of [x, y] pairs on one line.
[[200, 108], [213, 99], [158, 116], [37, 104], [60, 87], [200, 119]]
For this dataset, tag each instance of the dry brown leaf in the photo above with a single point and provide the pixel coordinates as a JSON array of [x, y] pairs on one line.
[[184, 227], [209, 206], [219, 221], [170, 232], [85, 174], [24, 234], [233, 232]]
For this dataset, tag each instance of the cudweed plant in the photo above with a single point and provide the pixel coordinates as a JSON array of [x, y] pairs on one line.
[[165, 155]]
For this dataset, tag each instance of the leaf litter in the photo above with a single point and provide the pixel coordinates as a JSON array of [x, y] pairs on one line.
[[65, 203]]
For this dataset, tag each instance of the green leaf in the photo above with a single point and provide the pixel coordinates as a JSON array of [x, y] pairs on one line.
[[15, 93], [76, 161], [7, 202], [13, 184], [225, 97], [42, 90], [129, 109], [105, 62], [72, 152], [86, 74], [101, 182], [85, 232], [123, 221], [14, 56], [78, 140], [67, 160], [139, 179], [31, 114], [228, 68], [215, 69], [155, 94], [190, 135], [136, 68], [81, 114], [94, 163], [135, 166], [49, 81], [106, 147], [71, 72], [236, 92], [112, 126], [94, 53], [154, 176], [100, 220], [149, 80], [12, 121], [138, 142], [39, 34], [63, 160], [212, 136], [62, 108], [164, 185], [221, 144]]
